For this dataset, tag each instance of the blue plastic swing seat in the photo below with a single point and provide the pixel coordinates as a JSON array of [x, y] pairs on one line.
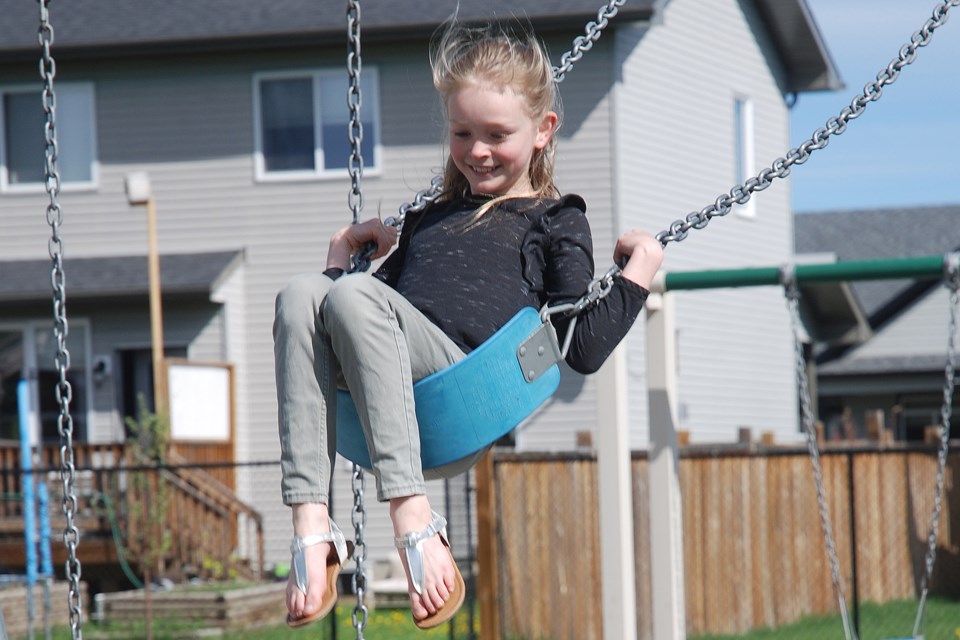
[[467, 406]]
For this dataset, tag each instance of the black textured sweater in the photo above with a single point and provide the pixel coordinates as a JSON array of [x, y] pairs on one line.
[[470, 276]]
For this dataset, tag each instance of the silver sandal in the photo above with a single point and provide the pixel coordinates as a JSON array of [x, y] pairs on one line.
[[341, 550], [412, 545]]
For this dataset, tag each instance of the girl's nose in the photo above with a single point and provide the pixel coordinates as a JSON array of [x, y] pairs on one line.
[[479, 149]]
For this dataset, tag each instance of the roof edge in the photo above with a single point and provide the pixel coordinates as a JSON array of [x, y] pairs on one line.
[[801, 46]]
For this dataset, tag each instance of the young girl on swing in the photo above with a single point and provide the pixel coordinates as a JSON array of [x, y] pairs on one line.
[[498, 239]]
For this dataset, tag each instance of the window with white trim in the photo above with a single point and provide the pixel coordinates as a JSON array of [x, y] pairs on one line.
[[301, 121], [22, 142], [744, 158]]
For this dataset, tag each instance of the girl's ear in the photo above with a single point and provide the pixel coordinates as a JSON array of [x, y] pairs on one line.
[[546, 129]]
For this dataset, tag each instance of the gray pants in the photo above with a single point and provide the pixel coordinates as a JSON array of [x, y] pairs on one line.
[[358, 332]]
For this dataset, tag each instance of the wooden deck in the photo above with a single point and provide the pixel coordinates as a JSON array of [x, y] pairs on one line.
[[204, 521]]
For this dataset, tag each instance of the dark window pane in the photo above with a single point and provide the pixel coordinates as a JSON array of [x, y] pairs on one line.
[[286, 115], [23, 132]]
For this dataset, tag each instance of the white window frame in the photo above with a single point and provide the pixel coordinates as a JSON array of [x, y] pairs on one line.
[[89, 93], [370, 109], [744, 156]]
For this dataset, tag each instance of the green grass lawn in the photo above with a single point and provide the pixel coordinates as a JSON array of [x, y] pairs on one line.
[[877, 622], [383, 624]]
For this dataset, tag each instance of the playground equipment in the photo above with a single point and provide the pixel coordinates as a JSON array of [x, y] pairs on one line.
[[790, 277], [36, 526]]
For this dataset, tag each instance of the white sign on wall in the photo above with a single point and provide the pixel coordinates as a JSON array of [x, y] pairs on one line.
[[200, 397]]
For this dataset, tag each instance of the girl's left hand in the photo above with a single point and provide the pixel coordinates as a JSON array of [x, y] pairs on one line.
[[354, 237], [644, 254]]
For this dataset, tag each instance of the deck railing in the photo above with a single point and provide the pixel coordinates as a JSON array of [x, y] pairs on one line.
[[205, 529]]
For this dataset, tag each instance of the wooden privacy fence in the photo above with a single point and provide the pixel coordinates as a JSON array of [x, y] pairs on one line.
[[754, 553]]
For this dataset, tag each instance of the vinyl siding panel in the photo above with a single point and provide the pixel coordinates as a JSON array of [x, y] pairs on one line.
[[675, 150], [921, 330]]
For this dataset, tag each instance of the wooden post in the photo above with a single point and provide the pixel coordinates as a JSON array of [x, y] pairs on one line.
[[488, 578], [137, 186], [875, 422], [156, 313]]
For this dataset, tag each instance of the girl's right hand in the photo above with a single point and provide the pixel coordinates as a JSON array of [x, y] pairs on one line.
[[349, 240], [644, 255]]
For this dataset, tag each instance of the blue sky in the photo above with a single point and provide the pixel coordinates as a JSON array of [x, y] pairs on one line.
[[903, 150]]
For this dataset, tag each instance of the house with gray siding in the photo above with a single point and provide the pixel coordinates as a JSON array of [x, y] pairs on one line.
[[897, 369], [677, 102]]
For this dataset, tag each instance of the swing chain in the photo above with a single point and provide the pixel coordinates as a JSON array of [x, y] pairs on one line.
[[792, 292], [598, 289], [354, 102], [64, 390], [585, 42], [836, 125], [420, 202], [359, 518], [362, 259], [952, 282]]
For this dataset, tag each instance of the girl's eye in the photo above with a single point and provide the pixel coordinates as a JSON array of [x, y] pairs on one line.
[[499, 135], [461, 134]]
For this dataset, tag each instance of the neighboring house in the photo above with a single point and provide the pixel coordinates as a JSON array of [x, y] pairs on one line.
[[899, 368], [676, 103]]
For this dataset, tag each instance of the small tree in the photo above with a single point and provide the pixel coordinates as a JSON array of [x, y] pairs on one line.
[[150, 537]]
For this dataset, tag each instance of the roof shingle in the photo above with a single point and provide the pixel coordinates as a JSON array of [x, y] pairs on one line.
[[114, 276], [878, 234], [82, 24]]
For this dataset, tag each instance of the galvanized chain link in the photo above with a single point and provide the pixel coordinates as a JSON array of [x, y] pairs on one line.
[[585, 42], [362, 259], [354, 102], [359, 518], [64, 390], [952, 281], [355, 199], [836, 125], [792, 293]]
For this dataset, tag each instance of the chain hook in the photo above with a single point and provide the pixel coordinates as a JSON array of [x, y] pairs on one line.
[[788, 280], [951, 269]]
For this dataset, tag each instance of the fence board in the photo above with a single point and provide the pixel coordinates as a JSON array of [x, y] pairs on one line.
[[642, 561], [549, 540], [754, 552]]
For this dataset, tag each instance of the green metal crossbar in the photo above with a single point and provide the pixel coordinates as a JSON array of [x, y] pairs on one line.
[[921, 268]]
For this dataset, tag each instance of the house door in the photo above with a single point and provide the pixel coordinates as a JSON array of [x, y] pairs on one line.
[[28, 352], [11, 367]]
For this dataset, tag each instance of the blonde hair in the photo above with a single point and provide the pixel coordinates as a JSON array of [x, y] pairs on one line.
[[491, 54]]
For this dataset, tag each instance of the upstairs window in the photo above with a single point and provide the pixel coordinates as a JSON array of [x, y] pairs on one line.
[[743, 141], [22, 143], [301, 124]]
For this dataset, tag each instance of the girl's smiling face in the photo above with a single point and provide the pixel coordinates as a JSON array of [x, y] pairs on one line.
[[493, 138]]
